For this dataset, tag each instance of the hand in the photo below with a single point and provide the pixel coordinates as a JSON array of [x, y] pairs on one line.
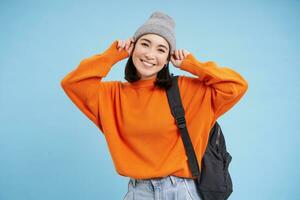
[[127, 45], [177, 56]]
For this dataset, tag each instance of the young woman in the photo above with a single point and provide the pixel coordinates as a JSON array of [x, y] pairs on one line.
[[134, 116]]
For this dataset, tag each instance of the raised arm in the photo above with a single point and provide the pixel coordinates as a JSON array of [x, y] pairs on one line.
[[227, 86], [82, 85]]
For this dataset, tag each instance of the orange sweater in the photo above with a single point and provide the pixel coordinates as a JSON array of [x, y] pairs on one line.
[[136, 120]]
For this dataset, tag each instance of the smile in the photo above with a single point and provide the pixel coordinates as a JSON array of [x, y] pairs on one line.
[[147, 64]]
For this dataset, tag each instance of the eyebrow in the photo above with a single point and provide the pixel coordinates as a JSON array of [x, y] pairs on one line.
[[158, 45]]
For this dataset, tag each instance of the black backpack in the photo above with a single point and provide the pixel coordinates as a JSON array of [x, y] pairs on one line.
[[213, 181]]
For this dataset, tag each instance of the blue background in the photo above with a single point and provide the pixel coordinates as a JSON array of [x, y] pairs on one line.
[[50, 150]]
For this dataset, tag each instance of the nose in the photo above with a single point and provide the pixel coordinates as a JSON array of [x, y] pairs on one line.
[[149, 56]]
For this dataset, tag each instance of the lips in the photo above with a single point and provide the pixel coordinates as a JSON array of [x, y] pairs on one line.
[[147, 63]]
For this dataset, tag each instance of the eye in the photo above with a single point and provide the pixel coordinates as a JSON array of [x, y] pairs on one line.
[[144, 44]]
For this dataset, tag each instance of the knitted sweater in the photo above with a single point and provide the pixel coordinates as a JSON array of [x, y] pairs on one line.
[[136, 120]]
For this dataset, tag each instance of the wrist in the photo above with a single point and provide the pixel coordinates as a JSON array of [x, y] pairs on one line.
[[113, 55]]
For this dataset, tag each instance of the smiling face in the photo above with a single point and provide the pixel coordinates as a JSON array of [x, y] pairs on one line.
[[150, 55]]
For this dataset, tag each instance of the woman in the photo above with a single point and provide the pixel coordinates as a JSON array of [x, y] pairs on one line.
[[134, 116]]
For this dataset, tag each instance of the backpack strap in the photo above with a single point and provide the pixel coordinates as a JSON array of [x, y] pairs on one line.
[[178, 113]]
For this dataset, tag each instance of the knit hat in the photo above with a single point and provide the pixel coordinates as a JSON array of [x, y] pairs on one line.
[[160, 24]]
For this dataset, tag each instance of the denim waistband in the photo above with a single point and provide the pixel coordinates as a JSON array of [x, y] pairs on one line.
[[157, 181]]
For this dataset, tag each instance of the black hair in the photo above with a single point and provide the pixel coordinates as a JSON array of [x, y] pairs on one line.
[[163, 78]]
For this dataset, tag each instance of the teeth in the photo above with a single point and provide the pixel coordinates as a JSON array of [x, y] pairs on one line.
[[148, 64]]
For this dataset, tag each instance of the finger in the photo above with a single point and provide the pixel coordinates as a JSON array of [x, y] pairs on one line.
[[119, 45], [127, 44], [181, 54], [130, 41], [184, 52], [176, 54]]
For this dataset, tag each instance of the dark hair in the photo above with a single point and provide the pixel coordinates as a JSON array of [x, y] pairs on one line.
[[163, 78]]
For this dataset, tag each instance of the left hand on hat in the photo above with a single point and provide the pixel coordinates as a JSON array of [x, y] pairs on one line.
[[177, 56]]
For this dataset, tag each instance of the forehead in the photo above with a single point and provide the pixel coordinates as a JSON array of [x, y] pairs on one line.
[[155, 40]]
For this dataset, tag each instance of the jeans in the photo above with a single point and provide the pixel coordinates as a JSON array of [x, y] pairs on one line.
[[164, 188]]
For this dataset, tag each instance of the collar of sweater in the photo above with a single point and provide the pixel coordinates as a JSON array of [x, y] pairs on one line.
[[144, 83]]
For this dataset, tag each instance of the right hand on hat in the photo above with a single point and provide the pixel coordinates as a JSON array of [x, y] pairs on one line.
[[126, 45]]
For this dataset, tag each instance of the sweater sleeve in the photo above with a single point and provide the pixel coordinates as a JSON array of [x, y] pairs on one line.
[[82, 85], [226, 86]]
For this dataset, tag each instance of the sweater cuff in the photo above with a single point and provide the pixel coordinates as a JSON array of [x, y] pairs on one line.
[[113, 55], [185, 64]]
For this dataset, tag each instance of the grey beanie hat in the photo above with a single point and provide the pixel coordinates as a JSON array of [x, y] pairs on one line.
[[160, 24]]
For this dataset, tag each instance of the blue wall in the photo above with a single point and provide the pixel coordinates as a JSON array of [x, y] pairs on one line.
[[50, 150]]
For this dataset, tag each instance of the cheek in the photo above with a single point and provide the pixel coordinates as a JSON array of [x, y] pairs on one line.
[[136, 55], [139, 51], [163, 60]]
